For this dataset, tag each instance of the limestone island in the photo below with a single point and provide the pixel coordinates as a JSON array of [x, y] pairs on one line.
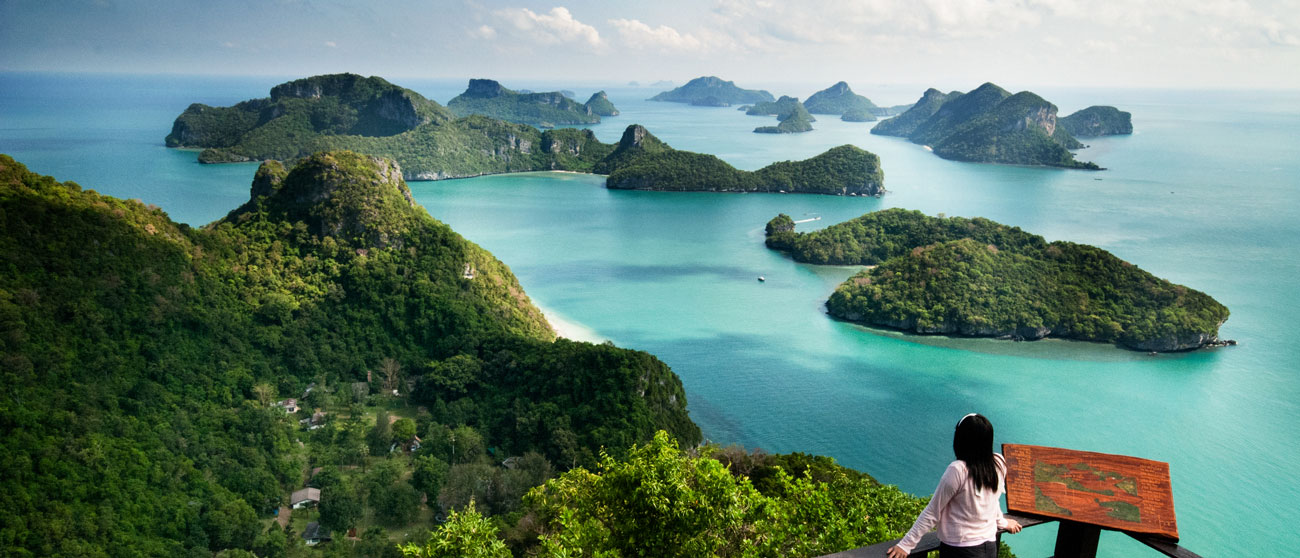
[[374, 117], [701, 88], [839, 100], [791, 114], [1097, 121], [489, 98], [599, 104], [643, 162], [793, 121], [976, 277], [988, 125]]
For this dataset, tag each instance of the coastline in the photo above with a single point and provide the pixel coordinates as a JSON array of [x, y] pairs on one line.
[[569, 329]]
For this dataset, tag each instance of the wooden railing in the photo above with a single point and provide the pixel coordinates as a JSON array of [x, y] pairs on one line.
[[1073, 540]]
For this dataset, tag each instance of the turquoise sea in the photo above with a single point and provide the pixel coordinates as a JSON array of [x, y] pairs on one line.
[[1206, 193]]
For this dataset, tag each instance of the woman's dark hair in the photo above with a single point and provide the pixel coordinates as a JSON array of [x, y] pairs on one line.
[[973, 443]]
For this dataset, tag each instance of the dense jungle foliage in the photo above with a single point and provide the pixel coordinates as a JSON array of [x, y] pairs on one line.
[[978, 277], [144, 359], [662, 501]]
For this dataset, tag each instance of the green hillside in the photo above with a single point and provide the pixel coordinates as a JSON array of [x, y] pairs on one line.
[[143, 359]]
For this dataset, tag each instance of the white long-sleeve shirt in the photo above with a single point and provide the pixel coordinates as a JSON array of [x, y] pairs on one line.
[[965, 516]]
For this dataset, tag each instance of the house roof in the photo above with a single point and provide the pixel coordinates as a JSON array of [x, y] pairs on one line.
[[304, 494]]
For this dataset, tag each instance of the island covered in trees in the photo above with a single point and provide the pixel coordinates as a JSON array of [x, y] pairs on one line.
[[330, 340], [713, 91], [840, 100], [1096, 121], [372, 116], [643, 162], [547, 110], [988, 125], [975, 277], [789, 112]]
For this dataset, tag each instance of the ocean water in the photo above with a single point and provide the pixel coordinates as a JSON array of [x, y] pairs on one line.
[[1206, 193]]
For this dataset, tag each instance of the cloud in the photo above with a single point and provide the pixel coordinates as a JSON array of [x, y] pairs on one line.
[[636, 34], [554, 27], [483, 32], [1107, 47], [331, 44]]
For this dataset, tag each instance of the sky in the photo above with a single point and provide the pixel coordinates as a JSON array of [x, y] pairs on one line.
[[950, 44]]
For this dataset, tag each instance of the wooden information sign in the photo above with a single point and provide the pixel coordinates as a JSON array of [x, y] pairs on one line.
[[1110, 491]]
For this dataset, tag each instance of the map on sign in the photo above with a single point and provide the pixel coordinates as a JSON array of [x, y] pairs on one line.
[[1111, 491]]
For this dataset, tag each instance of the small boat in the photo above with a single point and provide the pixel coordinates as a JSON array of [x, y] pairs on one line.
[[761, 279]]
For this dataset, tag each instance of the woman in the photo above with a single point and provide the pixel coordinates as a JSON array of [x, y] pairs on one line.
[[965, 504]]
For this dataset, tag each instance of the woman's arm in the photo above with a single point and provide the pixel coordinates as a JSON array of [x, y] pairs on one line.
[[948, 485]]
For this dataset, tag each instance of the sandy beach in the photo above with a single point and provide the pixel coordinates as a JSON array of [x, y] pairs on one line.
[[569, 329]]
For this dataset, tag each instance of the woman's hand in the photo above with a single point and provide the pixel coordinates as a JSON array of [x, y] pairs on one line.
[[1013, 526], [896, 552]]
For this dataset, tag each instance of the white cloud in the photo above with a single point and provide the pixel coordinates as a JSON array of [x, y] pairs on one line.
[[1107, 47], [554, 27], [636, 34], [331, 44], [483, 32]]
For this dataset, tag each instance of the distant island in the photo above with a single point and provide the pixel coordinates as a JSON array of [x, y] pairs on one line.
[[791, 114], [710, 101], [643, 162], [328, 112], [489, 98], [599, 104], [987, 125], [701, 88], [976, 277], [839, 99], [858, 115], [1096, 121]]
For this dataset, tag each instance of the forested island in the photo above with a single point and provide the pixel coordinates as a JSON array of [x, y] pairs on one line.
[[723, 93], [790, 113], [839, 99], [976, 277], [1096, 121], [599, 104], [489, 98], [172, 387], [988, 125], [643, 162], [372, 116]]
